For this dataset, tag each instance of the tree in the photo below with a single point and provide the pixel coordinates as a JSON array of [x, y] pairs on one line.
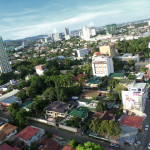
[[89, 146], [101, 106], [108, 88], [131, 77], [61, 94], [49, 94], [22, 95], [94, 125], [73, 143], [13, 108], [111, 96], [143, 69], [118, 90], [74, 122]]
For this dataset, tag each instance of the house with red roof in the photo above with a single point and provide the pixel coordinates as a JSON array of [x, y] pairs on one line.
[[67, 147], [30, 134], [48, 144], [132, 121], [8, 147]]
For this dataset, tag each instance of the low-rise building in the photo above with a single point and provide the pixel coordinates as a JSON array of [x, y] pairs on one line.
[[30, 134], [9, 98], [93, 82], [40, 69], [67, 147], [134, 100], [57, 109], [8, 147], [117, 75], [7, 131], [128, 57]]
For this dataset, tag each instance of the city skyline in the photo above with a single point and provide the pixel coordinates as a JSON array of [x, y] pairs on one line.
[[29, 18]]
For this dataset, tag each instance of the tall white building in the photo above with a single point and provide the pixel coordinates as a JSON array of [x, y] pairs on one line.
[[4, 62], [87, 33], [102, 65], [57, 37], [134, 100], [67, 34]]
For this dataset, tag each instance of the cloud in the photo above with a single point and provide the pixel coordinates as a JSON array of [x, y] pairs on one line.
[[91, 24]]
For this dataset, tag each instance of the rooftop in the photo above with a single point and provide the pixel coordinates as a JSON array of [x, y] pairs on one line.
[[113, 75], [6, 129], [137, 85], [26, 104], [104, 115], [7, 95], [132, 121], [49, 144], [8, 147], [60, 107], [93, 80], [67, 147], [27, 133], [80, 112]]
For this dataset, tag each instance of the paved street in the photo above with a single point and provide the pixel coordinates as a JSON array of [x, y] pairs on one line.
[[68, 135], [144, 137]]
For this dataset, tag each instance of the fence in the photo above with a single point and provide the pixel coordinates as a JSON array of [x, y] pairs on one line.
[[68, 128]]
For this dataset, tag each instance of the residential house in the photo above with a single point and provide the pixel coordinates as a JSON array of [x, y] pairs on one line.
[[7, 131], [30, 134], [117, 75], [58, 109], [40, 69], [93, 82], [67, 147], [48, 144], [8, 147]]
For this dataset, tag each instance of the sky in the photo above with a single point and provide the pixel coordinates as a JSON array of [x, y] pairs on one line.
[[24, 18]]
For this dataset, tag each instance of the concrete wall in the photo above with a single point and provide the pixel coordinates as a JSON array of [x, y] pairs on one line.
[[68, 128], [42, 121]]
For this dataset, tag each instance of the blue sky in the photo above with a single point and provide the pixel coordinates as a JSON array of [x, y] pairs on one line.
[[23, 18]]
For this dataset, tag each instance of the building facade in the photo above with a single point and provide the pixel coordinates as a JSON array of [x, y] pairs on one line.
[[4, 62], [111, 29], [110, 50], [134, 100], [102, 65]]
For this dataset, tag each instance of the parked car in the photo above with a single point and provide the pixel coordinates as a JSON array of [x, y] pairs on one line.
[[1, 123], [138, 143], [112, 144], [148, 145], [146, 127]]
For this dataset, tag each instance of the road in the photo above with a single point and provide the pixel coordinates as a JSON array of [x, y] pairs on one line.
[[69, 135], [144, 137]]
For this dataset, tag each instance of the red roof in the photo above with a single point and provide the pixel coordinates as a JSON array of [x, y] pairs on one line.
[[49, 144], [132, 121], [8, 147], [27, 133], [67, 147], [77, 77]]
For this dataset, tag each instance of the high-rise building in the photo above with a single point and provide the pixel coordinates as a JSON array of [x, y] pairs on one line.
[[57, 37], [4, 62], [111, 29], [67, 34], [102, 65]]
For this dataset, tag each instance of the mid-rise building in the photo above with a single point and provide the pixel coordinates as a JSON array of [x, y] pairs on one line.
[[4, 62], [40, 69], [110, 50], [82, 52], [102, 65], [134, 100]]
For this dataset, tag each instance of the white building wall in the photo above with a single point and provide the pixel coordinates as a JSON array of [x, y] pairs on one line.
[[103, 67], [39, 72]]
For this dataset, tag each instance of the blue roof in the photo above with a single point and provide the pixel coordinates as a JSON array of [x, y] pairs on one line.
[[11, 100]]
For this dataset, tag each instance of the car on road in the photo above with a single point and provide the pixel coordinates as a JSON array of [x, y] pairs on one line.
[[114, 145], [148, 145], [138, 143], [146, 127]]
